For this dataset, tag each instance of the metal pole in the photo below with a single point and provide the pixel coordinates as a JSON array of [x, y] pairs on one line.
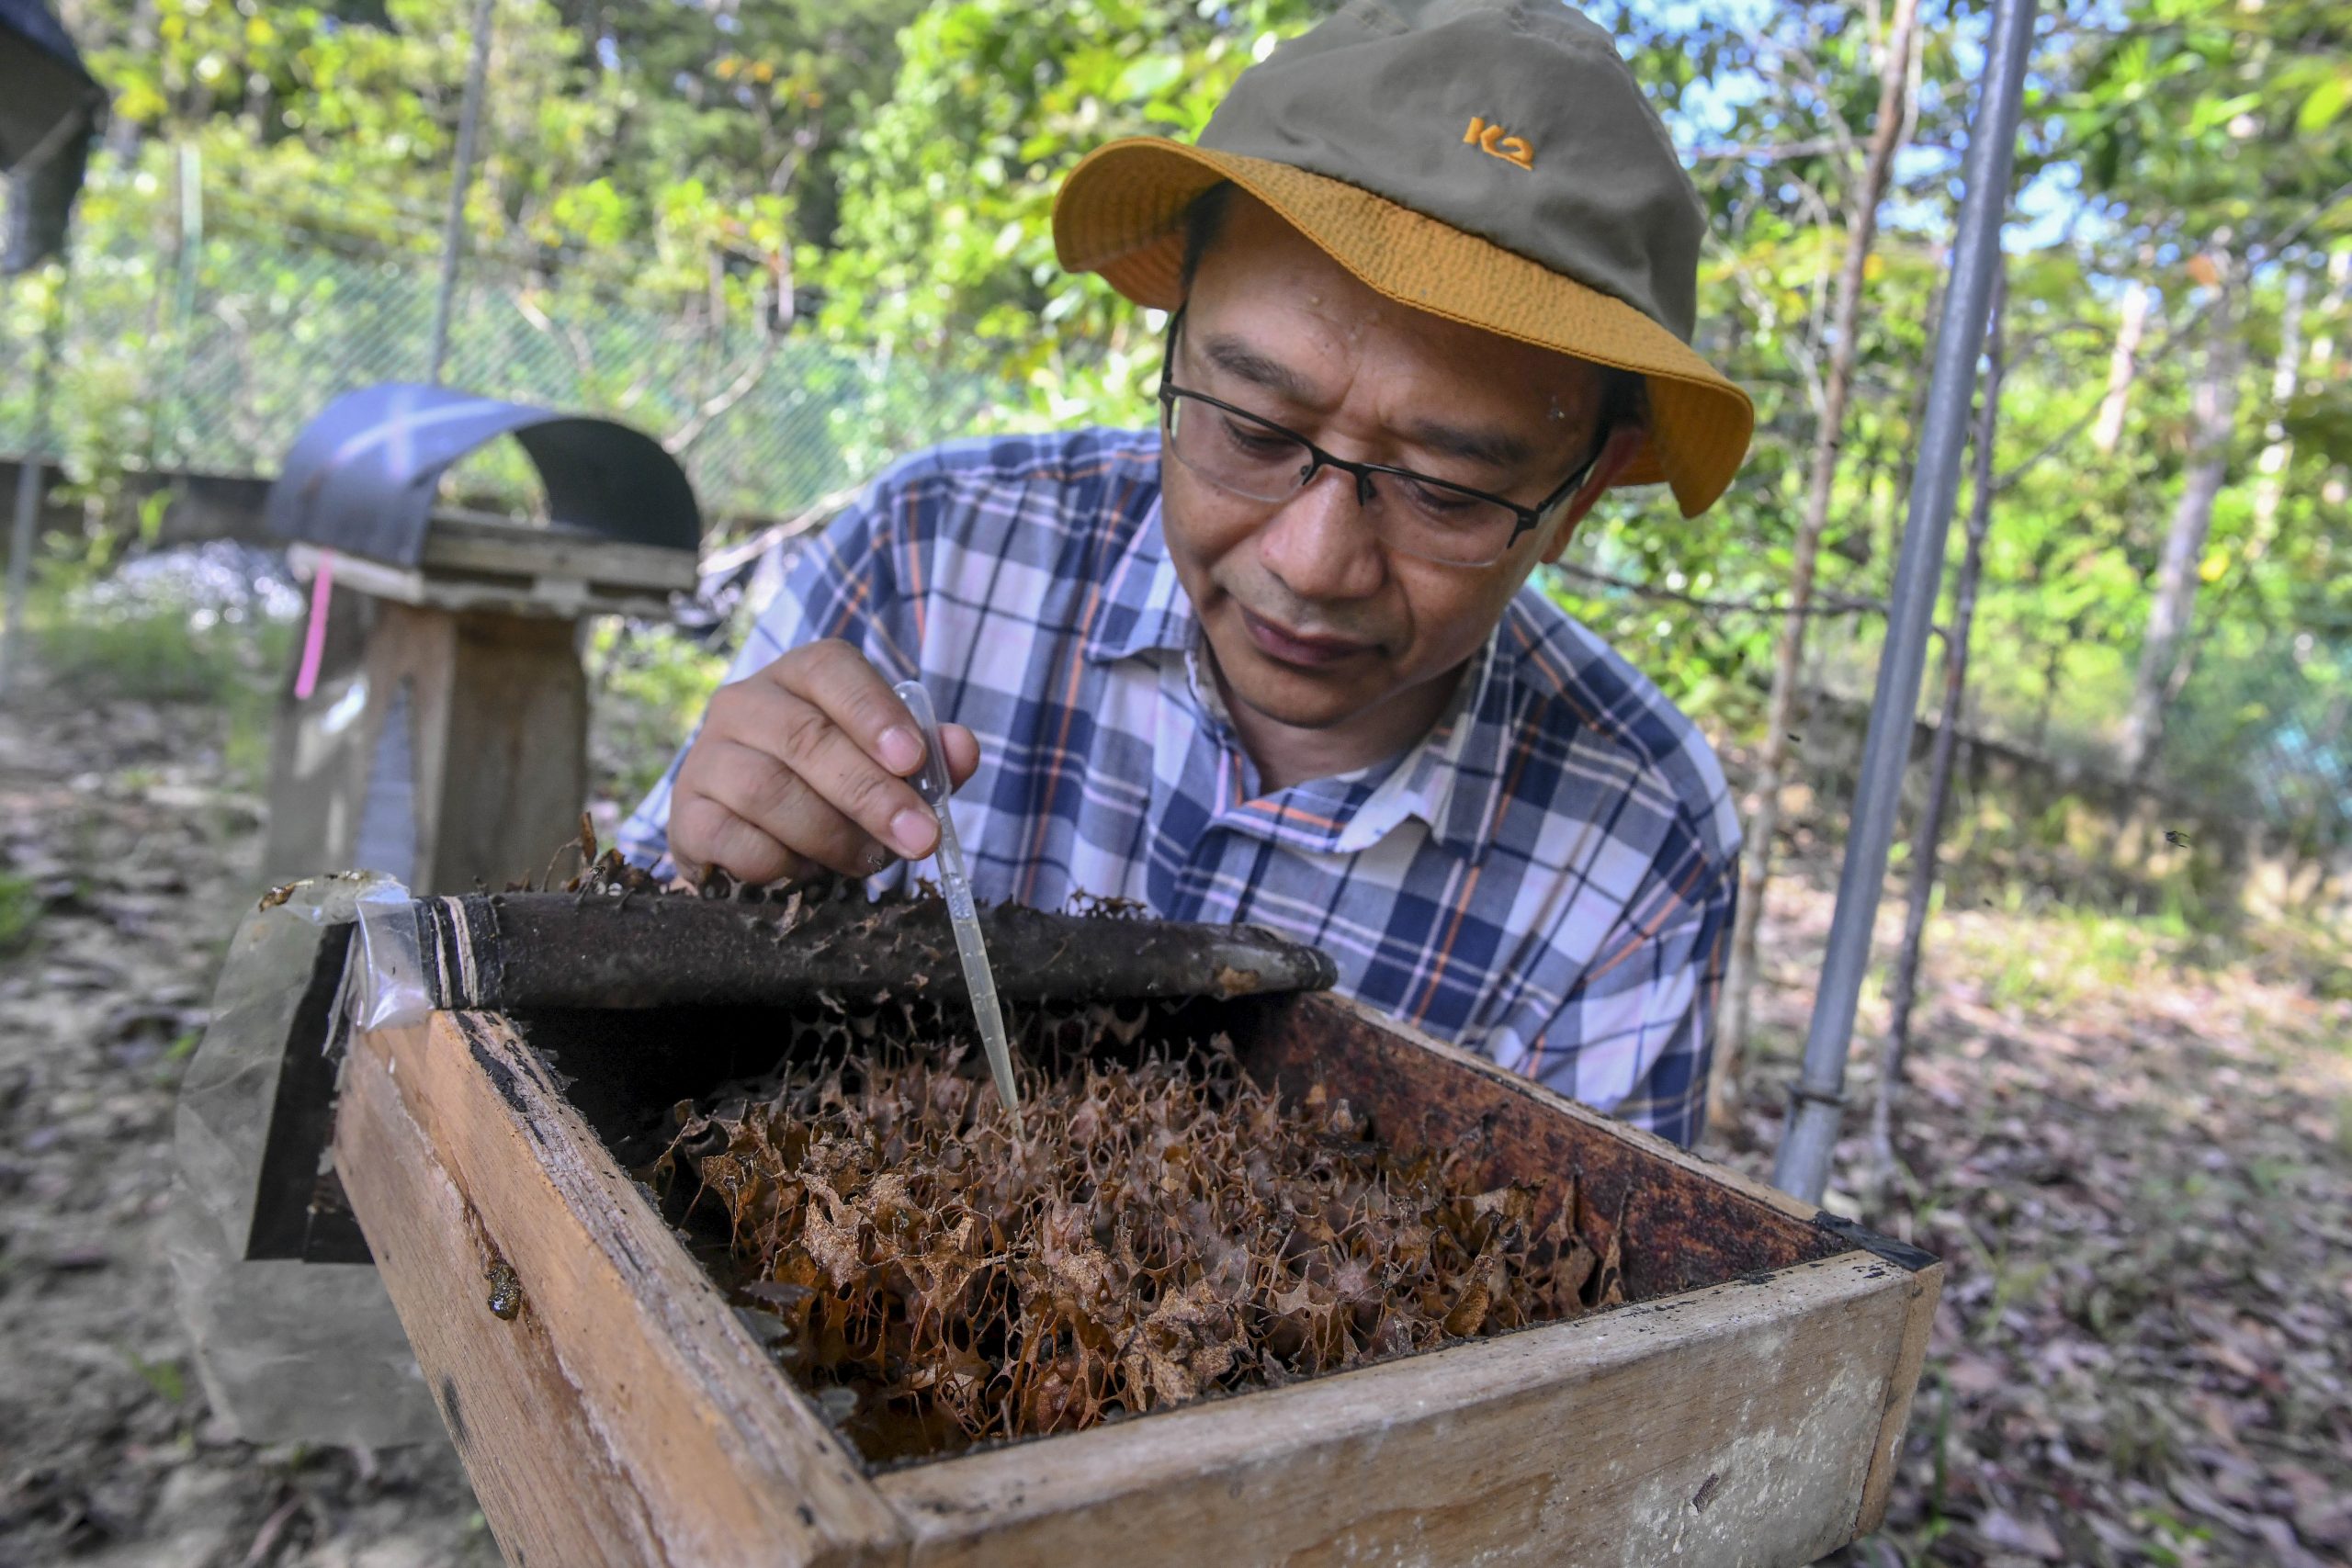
[[453, 233], [1803, 1165]]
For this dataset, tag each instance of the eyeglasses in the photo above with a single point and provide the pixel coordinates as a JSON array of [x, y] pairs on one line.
[[1251, 456]]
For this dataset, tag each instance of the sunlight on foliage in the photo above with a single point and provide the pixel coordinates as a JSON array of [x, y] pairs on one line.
[[652, 684]]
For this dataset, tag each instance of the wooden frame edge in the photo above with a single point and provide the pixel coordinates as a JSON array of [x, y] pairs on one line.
[[672, 1382], [953, 1508], [1586, 1116], [1903, 1384]]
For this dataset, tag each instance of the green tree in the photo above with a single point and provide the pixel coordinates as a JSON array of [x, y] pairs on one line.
[[2219, 134], [945, 249]]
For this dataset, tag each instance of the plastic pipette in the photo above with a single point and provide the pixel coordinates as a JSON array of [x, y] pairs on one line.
[[947, 857]]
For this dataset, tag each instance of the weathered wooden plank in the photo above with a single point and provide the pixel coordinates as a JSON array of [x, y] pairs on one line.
[[510, 767], [1919, 1316], [514, 952], [543, 1475], [625, 1417], [496, 728], [475, 541], [623, 1414], [1696, 1222], [1734, 1425], [556, 596]]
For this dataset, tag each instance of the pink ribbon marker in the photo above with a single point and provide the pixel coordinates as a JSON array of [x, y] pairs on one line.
[[314, 635]]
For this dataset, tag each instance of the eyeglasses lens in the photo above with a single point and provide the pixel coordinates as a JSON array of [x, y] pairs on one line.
[[1263, 462]]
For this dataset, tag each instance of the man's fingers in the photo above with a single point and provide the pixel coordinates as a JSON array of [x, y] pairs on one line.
[[703, 833], [755, 786], [807, 743], [962, 751], [812, 755], [837, 679]]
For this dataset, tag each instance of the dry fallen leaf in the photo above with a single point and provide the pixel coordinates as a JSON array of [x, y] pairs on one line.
[[1169, 1228], [2011, 1533]]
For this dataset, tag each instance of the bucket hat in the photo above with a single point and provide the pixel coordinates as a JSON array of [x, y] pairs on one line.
[[1492, 162]]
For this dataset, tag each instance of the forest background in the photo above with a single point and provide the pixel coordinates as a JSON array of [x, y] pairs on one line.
[[795, 240]]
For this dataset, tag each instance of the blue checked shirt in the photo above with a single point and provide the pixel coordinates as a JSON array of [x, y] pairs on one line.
[[1547, 878]]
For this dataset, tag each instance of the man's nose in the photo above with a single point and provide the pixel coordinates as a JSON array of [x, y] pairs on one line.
[[1321, 545]]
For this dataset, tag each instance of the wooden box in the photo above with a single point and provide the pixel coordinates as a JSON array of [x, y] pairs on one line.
[[1745, 1408]]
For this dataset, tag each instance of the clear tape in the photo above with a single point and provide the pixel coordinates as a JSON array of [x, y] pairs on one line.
[[386, 981]]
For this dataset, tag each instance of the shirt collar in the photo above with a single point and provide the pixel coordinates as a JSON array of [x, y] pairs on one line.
[[1450, 780]]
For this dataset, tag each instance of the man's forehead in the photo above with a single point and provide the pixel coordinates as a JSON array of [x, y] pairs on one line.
[[1272, 307]]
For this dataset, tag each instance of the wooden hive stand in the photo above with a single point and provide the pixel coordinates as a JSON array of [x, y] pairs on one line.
[[434, 723]]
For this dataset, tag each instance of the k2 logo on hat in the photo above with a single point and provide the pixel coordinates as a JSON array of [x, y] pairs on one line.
[[1492, 138]]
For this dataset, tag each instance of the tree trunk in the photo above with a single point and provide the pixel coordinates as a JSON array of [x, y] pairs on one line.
[[2212, 418], [2123, 367], [32, 477], [2051, 663], [1927, 833], [2278, 446], [2331, 307], [1764, 810], [2332, 490]]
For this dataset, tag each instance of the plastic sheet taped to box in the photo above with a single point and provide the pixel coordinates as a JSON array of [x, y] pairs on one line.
[[387, 985], [287, 1351]]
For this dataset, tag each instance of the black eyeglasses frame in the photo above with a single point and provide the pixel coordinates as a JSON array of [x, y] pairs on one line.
[[1529, 517]]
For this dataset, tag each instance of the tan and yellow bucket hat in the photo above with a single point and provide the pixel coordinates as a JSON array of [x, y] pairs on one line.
[[1489, 161]]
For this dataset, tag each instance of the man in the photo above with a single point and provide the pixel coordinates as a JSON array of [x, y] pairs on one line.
[[1431, 273]]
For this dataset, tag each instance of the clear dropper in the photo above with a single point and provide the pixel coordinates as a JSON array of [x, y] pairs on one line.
[[947, 858]]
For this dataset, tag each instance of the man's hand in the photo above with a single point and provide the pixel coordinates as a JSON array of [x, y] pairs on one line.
[[804, 765]]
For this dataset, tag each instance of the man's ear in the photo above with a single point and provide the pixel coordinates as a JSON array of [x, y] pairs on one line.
[[1624, 444]]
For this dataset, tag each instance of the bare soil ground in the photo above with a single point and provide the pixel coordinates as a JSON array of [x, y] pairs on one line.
[[120, 829], [2133, 1146]]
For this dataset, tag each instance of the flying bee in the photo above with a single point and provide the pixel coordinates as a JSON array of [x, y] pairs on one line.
[[2176, 839]]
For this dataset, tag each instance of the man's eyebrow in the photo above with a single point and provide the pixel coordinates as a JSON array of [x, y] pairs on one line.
[[1494, 449], [1489, 447], [1236, 358]]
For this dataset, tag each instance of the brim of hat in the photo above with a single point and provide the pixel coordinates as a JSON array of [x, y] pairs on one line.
[[1120, 214]]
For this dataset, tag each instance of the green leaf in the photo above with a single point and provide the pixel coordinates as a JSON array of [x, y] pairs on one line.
[[2326, 101], [1150, 76]]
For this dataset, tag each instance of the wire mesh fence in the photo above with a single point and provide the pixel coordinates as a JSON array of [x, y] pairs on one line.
[[2264, 725], [210, 355], [205, 346]]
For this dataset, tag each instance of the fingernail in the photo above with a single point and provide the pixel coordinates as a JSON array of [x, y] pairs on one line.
[[901, 750], [912, 831]]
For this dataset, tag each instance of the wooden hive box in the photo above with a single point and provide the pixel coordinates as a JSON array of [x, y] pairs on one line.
[[1745, 1408]]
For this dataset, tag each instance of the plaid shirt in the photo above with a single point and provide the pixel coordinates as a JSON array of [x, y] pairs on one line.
[[1547, 878]]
